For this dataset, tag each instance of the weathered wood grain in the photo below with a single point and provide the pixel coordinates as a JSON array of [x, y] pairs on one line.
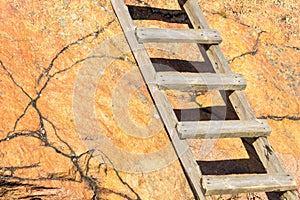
[[222, 129], [168, 35], [247, 183], [200, 81]]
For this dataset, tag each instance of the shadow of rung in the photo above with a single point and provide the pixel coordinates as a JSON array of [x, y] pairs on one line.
[[163, 65], [165, 15], [205, 114], [224, 167]]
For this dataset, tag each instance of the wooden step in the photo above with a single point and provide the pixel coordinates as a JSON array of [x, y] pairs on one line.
[[166, 35], [200, 81], [247, 183], [222, 129]]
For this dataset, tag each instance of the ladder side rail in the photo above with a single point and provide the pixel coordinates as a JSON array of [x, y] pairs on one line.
[[159, 97], [237, 98]]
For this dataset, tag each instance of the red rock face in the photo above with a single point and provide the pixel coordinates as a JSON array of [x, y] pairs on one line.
[[51, 99]]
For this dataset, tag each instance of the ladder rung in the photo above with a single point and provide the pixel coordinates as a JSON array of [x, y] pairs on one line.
[[247, 183], [222, 129], [202, 36], [200, 81]]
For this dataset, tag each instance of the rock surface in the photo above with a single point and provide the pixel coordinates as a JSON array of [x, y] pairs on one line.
[[66, 74]]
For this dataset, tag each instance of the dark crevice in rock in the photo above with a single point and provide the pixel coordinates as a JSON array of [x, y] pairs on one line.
[[88, 161], [122, 181], [292, 47], [11, 184], [18, 134], [237, 19], [49, 178], [125, 183], [223, 14], [20, 117], [94, 34], [14, 81], [43, 187], [289, 47], [92, 183], [13, 169], [7, 186], [41, 133], [252, 52], [36, 197], [280, 118], [56, 134], [108, 191]]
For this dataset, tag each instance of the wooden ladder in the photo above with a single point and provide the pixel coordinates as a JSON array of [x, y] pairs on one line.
[[251, 130]]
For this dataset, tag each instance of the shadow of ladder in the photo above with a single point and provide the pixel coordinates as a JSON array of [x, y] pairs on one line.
[[248, 127]]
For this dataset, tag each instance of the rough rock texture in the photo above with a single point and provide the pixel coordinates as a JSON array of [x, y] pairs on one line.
[[60, 59]]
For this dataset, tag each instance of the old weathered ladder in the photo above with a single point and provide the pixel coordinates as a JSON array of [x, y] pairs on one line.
[[248, 127]]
